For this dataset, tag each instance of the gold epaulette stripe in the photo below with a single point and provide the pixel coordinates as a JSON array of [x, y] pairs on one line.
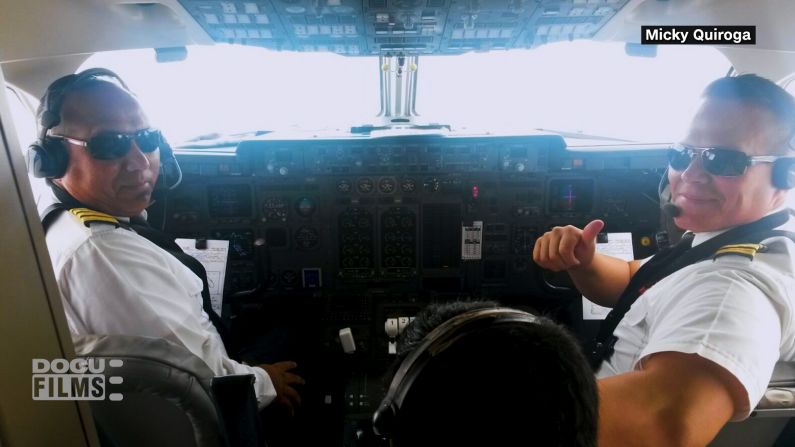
[[747, 250], [99, 216], [87, 216], [79, 211]]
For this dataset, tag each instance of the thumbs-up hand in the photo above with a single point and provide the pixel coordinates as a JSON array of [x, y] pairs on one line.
[[566, 248]]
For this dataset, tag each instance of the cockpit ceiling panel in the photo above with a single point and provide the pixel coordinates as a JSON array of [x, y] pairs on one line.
[[373, 27]]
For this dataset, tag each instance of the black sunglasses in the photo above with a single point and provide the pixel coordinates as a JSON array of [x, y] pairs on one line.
[[716, 161], [112, 146]]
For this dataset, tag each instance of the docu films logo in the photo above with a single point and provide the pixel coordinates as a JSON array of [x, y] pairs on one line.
[[77, 379]]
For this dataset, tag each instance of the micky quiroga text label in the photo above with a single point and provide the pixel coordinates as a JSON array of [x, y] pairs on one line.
[[698, 35]]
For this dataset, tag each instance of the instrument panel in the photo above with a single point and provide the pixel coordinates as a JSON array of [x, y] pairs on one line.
[[394, 209], [354, 233]]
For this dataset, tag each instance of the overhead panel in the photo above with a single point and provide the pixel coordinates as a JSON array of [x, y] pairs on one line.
[[372, 27]]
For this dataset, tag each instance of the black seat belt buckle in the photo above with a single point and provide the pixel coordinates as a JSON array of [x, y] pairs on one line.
[[601, 351]]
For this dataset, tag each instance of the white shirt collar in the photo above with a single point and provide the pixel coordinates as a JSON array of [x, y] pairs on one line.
[[49, 198], [704, 236]]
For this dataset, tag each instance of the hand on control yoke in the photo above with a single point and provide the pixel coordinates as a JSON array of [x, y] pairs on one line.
[[284, 381]]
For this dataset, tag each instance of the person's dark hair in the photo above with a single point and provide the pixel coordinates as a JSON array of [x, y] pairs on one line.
[[759, 91], [519, 384]]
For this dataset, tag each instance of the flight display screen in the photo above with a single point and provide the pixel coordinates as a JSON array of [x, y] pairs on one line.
[[570, 195], [241, 242], [229, 201]]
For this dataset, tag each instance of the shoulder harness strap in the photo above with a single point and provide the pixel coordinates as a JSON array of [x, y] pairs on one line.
[[50, 213]]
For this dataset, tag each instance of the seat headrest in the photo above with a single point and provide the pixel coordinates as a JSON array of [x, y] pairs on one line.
[[166, 393], [156, 350]]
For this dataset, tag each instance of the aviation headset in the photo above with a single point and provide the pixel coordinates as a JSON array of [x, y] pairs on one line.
[[783, 174], [783, 170], [386, 418], [48, 158]]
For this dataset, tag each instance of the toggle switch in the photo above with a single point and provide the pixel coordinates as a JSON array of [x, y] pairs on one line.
[[347, 341], [402, 323], [391, 327]]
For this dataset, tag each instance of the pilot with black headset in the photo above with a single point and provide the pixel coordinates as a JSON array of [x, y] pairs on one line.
[[475, 374], [695, 332], [104, 163]]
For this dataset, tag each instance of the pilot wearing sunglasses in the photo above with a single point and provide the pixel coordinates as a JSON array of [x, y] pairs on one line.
[[102, 160], [696, 330]]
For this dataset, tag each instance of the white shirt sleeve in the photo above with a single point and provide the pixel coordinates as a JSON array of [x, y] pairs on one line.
[[725, 315], [117, 282]]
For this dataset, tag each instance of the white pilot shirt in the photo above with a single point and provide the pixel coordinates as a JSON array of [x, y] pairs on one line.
[[113, 281], [734, 311]]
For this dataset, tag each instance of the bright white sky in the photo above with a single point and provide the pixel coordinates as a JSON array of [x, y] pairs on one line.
[[579, 86]]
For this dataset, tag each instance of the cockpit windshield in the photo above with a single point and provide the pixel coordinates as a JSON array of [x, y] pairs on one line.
[[584, 90]]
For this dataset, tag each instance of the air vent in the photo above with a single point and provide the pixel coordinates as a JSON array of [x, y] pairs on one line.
[[405, 4], [396, 40], [405, 46]]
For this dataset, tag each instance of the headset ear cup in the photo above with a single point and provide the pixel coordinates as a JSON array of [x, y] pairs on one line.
[[170, 173], [384, 420], [47, 158], [35, 158], [169, 166], [783, 173], [165, 149]]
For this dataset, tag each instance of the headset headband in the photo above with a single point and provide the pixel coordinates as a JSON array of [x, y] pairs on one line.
[[50, 110]]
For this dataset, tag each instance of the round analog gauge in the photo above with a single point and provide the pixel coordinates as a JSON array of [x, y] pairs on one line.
[[306, 238], [408, 185], [274, 209], [344, 186], [365, 185], [305, 207], [387, 185]]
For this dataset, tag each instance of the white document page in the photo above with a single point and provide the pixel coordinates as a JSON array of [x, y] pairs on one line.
[[213, 258], [472, 241], [618, 245]]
